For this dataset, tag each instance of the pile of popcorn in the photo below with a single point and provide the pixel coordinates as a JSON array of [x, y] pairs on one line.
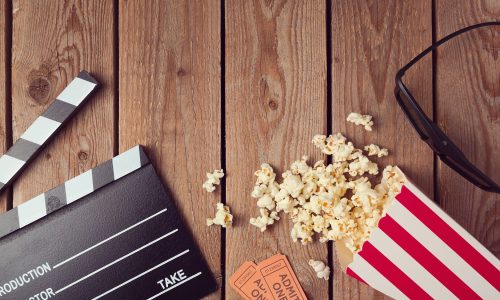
[[334, 201]]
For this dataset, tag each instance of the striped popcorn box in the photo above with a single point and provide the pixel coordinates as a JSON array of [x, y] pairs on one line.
[[419, 252]]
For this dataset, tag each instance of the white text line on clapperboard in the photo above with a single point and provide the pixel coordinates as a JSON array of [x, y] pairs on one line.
[[24, 279]]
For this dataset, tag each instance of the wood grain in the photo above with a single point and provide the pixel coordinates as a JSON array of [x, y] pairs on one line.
[[275, 103], [468, 108], [48, 50], [3, 96], [371, 40], [169, 101]]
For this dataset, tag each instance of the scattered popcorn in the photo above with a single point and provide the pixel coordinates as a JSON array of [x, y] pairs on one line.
[[292, 184], [301, 232], [332, 201], [319, 141], [223, 216], [264, 219], [266, 201], [213, 180], [322, 270], [359, 119], [373, 149], [392, 181], [265, 175], [334, 145], [361, 165]]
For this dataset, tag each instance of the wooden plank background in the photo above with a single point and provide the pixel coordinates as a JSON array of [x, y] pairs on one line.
[[230, 84], [48, 50], [169, 87], [367, 52], [275, 68]]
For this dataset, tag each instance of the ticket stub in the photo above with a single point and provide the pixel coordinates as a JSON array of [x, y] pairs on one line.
[[249, 283], [280, 278]]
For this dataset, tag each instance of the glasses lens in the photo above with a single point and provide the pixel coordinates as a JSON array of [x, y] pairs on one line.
[[468, 96], [418, 81], [411, 112]]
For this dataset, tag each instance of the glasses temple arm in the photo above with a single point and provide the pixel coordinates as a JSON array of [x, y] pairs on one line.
[[440, 42]]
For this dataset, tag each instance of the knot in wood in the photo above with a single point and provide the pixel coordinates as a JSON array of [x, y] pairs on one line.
[[181, 72], [83, 156], [39, 89], [273, 104]]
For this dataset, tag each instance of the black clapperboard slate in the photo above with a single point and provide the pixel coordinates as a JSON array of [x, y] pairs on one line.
[[112, 232]]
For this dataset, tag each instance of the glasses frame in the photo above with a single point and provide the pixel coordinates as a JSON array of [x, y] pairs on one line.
[[430, 132]]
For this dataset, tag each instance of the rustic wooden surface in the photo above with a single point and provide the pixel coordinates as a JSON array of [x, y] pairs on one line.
[[210, 84], [275, 68], [48, 50], [367, 52], [170, 89]]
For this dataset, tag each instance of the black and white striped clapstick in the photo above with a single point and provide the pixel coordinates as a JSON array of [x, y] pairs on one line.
[[72, 190], [28, 146]]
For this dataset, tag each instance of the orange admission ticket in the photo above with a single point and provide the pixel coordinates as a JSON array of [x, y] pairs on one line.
[[280, 278], [249, 283]]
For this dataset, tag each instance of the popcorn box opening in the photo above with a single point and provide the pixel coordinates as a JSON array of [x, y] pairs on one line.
[[417, 251]]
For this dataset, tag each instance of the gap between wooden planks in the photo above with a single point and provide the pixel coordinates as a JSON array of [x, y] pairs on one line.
[[5, 126]]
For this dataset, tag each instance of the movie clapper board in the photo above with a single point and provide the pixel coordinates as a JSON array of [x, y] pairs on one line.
[[112, 232]]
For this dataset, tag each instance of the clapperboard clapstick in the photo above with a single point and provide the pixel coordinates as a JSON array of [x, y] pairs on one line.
[[45, 127], [110, 233]]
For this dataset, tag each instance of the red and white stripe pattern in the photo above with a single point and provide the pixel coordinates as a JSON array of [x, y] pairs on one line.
[[419, 252]]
